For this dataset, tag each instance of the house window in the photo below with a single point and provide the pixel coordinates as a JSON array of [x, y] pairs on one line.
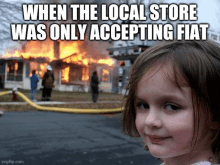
[[85, 74], [14, 71], [65, 75], [73, 74], [105, 75]]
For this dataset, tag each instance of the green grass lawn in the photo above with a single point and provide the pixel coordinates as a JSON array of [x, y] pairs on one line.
[[67, 97]]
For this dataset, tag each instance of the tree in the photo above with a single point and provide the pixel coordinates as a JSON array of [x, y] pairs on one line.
[[9, 13]]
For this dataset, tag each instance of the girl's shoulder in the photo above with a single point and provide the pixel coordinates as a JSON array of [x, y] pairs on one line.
[[201, 163], [204, 163]]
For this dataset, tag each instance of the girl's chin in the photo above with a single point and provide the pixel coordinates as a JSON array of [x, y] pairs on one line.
[[164, 153], [160, 152], [158, 155]]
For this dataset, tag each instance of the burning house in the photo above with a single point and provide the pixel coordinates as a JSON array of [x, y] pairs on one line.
[[72, 63]]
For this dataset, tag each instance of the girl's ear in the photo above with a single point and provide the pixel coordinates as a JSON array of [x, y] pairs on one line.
[[214, 125]]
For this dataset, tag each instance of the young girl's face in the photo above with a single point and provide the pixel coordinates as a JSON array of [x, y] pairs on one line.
[[164, 114]]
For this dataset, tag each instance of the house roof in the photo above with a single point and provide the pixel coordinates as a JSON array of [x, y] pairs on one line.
[[12, 58]]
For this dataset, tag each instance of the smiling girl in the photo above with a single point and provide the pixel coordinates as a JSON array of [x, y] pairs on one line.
[[173, 102]]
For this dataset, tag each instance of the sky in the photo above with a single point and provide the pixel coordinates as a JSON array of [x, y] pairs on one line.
[[207, 12]]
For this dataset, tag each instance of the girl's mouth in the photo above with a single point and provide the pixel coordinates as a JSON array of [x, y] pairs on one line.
[[156, 139]]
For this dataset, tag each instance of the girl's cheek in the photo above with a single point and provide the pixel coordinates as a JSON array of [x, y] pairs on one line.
[[136, 123], [139, 124]]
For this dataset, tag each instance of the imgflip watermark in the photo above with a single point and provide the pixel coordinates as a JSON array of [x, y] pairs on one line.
[[12, 161]]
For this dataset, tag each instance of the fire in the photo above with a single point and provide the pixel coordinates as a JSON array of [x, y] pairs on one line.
[[108, 62], [34, 49], [85, 74], [72, 52], [78, 58], [42, 69], [12, 54], [65, 74], [16, 68], [105, 74], [67, 48]]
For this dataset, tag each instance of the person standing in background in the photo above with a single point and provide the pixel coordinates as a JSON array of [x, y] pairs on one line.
[[94, 83], [47, 83], [34, 81]]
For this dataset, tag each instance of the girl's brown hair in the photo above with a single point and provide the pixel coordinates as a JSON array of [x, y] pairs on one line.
[[198, 62]]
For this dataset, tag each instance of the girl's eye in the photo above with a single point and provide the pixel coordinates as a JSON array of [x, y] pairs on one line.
[[141, 105], [172, 107]]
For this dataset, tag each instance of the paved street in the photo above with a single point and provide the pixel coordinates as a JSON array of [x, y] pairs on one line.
[[50, 138]]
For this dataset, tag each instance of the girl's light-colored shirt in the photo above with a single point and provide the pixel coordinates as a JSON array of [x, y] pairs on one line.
[[202, 163]]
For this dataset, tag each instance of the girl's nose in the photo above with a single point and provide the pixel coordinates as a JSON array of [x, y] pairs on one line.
[[153, 118]]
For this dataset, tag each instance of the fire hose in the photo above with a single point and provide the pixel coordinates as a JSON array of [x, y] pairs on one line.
[[67, 110]]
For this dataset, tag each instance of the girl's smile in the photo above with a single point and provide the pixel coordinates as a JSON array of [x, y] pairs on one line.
[[156, 139]]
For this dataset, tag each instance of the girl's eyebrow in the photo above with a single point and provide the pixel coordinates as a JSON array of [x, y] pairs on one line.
[[137, 98], [171, 97]]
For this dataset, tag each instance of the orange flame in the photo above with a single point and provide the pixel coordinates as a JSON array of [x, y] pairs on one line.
[[16, 66], [34, 49], [85, 74], [105, 74], [69, 52], [40, 68], [65, 74]]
